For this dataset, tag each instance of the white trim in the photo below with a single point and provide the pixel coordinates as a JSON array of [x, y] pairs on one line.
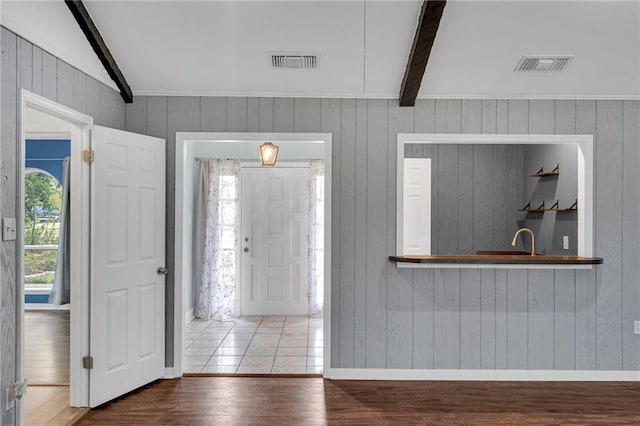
[[46, 307], [47, 136], [49, 107], [182, 139], [483, 375], [188, 316], [41, 246], [80, 136], [37, 288], [284, 164], [490, 266], [328, 196], [252, 137], [170, 373], [388, 96], [496, 139], [585, 180]]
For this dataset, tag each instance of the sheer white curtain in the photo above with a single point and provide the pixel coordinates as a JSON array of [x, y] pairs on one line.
[[217, 239], [316, 237]]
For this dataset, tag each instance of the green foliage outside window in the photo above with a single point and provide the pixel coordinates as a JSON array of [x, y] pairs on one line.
[[42, 202], [42, 197]]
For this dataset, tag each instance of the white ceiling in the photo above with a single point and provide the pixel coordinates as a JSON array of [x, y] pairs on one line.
[[50, 25], [222, 47]]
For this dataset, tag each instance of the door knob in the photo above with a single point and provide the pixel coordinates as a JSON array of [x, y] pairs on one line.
[[162, 271], [246, 250]]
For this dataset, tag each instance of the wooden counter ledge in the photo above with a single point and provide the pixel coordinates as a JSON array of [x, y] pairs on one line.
[[483, 259]]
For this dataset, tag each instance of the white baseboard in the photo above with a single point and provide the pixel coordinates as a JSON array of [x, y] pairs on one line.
[[169, 373], [46, 307], [487, 375], [188, 316]]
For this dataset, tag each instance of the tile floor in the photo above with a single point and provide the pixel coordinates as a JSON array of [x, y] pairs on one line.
[[254, 345]]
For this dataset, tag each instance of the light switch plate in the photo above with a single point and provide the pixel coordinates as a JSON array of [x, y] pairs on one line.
[[636, 327], [565, 242], [8, 229], [10, 400]]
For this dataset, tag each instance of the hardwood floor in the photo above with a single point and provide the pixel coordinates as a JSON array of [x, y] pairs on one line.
[[309, 401], [49, 405], [46, 347], [47, 363]]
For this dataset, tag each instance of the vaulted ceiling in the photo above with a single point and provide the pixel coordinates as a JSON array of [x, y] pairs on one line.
[[223, 47]]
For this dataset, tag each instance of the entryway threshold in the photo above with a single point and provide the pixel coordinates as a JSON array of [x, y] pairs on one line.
[[264, 375]]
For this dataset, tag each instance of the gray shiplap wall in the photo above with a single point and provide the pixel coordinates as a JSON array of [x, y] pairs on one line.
[[504, 319], [550, 227], [489, 194], [24, 65]]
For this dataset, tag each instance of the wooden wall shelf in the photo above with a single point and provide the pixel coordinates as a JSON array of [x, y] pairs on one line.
[[553, 208], [542, 173], [547, 210]]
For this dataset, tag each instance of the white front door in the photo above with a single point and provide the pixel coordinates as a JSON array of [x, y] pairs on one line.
[[274, 241], [128, 242]]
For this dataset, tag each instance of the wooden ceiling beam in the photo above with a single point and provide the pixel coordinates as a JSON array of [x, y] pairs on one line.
[[428, 24], [96, 41]]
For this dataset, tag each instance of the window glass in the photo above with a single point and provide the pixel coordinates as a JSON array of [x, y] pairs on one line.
[[42, 203]]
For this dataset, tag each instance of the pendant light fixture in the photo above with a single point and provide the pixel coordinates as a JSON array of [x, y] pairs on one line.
[[268, 154]]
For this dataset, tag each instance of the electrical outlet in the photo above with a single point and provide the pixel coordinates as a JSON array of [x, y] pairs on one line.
[[8, 229], [636, 327], [565, 242]]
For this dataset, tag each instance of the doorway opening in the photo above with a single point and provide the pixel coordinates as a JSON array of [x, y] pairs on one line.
[[114, 246], [279, 256], [46, 267], [50, 333]]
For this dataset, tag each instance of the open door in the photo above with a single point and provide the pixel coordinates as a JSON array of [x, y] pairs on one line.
[[127, 308]]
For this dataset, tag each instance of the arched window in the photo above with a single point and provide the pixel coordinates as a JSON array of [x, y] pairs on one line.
[[42, 204]]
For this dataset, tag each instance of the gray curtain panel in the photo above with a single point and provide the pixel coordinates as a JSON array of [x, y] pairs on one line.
[[61, 290]]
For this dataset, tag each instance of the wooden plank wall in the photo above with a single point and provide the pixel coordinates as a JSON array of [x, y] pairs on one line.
[[389, 318], [550, 227], [27, 66], [486, 192]]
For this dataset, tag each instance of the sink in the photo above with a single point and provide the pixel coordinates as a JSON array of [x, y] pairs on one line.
[[503, 253]]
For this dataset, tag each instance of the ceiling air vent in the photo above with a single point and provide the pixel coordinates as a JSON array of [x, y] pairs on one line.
[[543, 63], [293, 60]]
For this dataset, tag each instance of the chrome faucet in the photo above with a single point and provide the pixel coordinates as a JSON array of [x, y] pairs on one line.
[[533, 239]]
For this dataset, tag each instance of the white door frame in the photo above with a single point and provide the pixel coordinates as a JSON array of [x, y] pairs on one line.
[[80, 125], [183, 139]]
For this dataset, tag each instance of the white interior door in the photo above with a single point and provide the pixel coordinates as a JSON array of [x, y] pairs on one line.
[[128, 241], [274, 241], [416, 236]]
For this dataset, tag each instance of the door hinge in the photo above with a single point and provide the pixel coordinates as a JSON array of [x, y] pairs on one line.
[[88, 156], [14, 392], [87, 362]]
